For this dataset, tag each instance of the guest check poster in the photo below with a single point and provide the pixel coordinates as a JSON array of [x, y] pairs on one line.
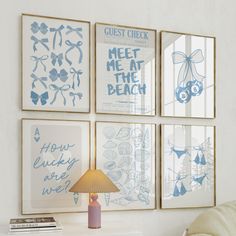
[[125, 70]]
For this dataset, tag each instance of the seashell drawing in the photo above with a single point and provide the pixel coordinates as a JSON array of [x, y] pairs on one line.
[[120, 201], [109, 145], [125, 148], [109, 132], [107, 197], [110, 154], [141, 155], [115, 175], [109, 165], [124, 163], [123, 134], [137, 133]]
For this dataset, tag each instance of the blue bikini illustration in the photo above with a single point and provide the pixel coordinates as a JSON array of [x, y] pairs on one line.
[[189, 80]]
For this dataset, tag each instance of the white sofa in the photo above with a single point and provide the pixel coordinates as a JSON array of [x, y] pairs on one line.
[[217, 221]]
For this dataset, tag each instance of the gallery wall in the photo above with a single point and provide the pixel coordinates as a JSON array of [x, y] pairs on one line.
[[211, 17]]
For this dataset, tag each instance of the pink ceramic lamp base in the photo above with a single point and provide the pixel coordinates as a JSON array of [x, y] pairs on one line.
[[94, 213]]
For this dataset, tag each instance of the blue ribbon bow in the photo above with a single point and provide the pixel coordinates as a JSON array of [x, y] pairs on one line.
[[57, 58], [62, 75], [188, 64], [76, 30], [35, 98], [40, 60], [57, 89], [58, 30], [71, 47], [74, 95], [76, 73], [35, 28], [41, 41], [42, 80]]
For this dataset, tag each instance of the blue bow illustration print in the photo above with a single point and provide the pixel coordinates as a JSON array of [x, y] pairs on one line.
[[58, 30], [76, 30], [42, 98], [76, 73], [42, 80], [62, 75], [35, 28], [57, 58], [38, 60], [74, 95], [188, 64], [71, 47], [40, 41], [57, 89]]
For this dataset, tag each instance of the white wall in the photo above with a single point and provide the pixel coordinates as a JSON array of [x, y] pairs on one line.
[[206, 17]]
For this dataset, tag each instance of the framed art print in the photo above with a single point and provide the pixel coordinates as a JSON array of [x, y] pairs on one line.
[[187, 75], [55, 153], [187, 166], [125, 70], [126, 154], [56, 64]]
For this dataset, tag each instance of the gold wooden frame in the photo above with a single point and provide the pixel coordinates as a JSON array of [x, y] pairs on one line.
[[162, 79], [155, 84], [161, 166], [155, 163], [22, 159], [89, 61]]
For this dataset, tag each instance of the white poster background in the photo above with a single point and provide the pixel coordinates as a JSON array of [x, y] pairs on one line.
[[125, 38], [80, 105], [50, 167]]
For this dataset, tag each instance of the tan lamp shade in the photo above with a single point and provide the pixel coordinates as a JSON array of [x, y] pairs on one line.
[[94, 181]]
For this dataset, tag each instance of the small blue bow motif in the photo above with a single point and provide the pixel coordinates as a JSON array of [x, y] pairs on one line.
[[42, 80], [55, 31], [57, 89], [42, 98], [62, 75], [38, 60], [71, 47], [57, 58], [76, 73], [35, 28], [40, 41], [76, 30], [74, 95]]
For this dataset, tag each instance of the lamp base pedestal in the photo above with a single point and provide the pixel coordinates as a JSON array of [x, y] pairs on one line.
[[94, 213]]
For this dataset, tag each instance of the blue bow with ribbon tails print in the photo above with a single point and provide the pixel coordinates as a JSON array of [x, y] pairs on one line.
[[189, 80]]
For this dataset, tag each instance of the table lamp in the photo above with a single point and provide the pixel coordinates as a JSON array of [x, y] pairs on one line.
[[93, 182]]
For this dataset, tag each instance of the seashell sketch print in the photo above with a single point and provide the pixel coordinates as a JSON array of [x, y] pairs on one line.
[[114, 175], [109, 165], [109, 145], [110, 154], [123, 134], [142, 155], [125, 148]]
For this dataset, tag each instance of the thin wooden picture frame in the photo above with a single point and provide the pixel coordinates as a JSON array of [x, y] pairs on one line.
[[116, 154], [144, 102], [188, 86], [51, 164], [199, 157], [56, 64]]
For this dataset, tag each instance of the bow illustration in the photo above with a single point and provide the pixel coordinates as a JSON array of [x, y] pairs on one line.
[[57, 89], [74, 95], [58, 30], [188, 64], [76, 73], [76, 30], [40, 41], [35, 98], [35, 28], [42, 80], [57, 58], [62, 75], [71, 47], [38, 60]]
